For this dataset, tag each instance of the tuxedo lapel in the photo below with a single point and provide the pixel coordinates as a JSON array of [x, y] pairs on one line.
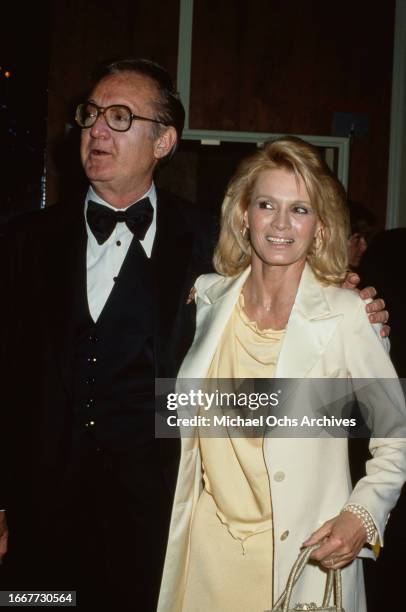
[[170, 256], [67, 282], [171, 260]]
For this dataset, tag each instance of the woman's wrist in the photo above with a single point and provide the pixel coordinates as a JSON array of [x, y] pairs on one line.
[[366, 520]]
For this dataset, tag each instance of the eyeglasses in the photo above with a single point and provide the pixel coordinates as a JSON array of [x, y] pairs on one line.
[[118, 117]]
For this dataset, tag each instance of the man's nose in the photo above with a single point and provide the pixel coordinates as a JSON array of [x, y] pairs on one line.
[[100, 127], [362, 245]]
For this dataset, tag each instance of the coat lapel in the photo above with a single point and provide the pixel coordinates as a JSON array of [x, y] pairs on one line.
[[310, 327], [213, 313]]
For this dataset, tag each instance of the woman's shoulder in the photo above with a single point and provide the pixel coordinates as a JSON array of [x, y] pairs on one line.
[[352, 308], [338, 300], [205, 281], [212, 287], [342, 299]]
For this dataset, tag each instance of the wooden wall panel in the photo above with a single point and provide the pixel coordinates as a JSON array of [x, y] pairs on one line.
[[85, 32], [265, 65], [287, 66]]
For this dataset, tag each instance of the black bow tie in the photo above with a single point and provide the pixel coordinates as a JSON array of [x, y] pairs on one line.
[[102, 220]]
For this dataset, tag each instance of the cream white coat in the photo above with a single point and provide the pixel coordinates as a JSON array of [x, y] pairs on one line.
[[328, 335]]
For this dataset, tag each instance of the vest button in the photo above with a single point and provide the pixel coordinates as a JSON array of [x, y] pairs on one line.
[[91, 359], [90, 380], [93, 339], [279, 476]]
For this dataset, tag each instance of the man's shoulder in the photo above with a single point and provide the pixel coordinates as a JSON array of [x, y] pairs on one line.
[[193, 215], [42, 221], [167, 198], [186, 220]]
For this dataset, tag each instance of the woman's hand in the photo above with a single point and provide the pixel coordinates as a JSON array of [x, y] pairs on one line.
[[341, 539]]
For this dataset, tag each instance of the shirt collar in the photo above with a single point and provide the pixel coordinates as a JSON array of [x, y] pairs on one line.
[[92, 195]]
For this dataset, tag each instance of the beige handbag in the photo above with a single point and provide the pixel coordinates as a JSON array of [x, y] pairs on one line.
[[333, 583]]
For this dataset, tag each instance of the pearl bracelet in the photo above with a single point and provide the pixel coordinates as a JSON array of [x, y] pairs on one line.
[[365, 518]]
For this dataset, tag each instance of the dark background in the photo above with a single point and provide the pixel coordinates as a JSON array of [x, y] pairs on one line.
[[282, 66], [24, 52], [267, 65]]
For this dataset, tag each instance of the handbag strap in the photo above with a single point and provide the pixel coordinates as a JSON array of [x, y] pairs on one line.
[[333, 579]]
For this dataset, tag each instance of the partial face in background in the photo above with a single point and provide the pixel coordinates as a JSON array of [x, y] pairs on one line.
[[122, 161], [281, 221], [357, 245]]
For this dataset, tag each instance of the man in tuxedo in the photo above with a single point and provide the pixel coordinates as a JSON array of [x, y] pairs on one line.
[[96, 309]]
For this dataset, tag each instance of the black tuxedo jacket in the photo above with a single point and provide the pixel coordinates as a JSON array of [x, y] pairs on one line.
[[44, 270]]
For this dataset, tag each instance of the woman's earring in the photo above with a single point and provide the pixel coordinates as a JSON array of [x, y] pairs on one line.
[[245, 232], [318, 240]]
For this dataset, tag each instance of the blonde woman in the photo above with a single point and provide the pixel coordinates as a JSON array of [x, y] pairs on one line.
[[244, 506]]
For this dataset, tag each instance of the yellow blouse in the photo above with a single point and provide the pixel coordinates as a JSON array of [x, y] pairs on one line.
[[231, 541], [241, 487], [245, 351]]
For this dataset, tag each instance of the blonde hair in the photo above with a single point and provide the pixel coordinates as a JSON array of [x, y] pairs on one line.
[[328, 256]]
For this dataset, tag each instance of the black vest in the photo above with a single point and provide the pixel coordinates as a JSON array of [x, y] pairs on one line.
[[113, 395]]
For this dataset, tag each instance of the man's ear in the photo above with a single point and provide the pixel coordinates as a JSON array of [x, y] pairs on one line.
[[165, 142]]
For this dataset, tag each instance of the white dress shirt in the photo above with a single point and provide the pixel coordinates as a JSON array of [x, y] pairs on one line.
[[104, 261]]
